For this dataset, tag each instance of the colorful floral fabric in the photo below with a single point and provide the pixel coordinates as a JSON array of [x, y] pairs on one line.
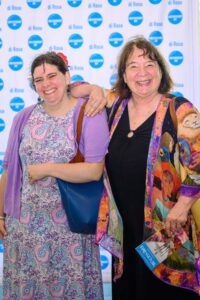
[[173, 169], [109, 233]]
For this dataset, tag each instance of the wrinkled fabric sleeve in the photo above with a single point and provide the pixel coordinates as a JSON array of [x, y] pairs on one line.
[[94, 137], [10, 143], [188, 134], [12, 163]]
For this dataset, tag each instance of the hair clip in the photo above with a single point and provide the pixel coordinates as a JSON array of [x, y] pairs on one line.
[[64, 58]]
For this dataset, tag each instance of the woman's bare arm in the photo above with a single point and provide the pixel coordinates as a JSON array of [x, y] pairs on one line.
[[72, 172], [96, 95]]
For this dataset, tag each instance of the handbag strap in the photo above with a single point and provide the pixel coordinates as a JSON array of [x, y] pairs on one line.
[[79, 157], [173, 112], [113, 111]]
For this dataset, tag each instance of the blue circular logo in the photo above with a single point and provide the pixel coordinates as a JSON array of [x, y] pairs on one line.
[[34, 3], [76, 77], [156, 38], [2, 125], [14, 22], [75, 40], [74, 3], [95, 19], [135, 18], [96, 61], [104, 262], [35, 42], [55, 21], [113, 79], [17, 104], [15, 63], [176, 58], [1, 43], [114, 2], [177, 94], [116, 39], [155, 1], [1, 245], [1, 84], [1, 171], [175, 16]]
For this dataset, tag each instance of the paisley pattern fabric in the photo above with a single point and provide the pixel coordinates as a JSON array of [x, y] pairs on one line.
[[109, 233], [173, 169], [43, 259]]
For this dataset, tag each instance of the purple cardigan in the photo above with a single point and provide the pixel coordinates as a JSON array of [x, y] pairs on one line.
[[92, 128]]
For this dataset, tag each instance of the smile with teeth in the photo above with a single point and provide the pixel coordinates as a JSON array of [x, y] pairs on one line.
[[144, 82], [48, 92]]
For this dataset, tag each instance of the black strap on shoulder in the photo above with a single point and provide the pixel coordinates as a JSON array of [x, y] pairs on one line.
[[112, 112]]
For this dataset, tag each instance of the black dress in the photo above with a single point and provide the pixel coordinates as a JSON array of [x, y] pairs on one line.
[[126, 164]]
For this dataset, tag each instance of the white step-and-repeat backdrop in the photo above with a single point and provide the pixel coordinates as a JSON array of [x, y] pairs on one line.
[[91, 34]]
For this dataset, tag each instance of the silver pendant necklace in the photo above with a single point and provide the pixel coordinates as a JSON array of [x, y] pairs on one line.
[[131, 134]]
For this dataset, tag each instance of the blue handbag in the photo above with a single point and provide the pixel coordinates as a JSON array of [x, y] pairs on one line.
[[81, 200], [81, 203]]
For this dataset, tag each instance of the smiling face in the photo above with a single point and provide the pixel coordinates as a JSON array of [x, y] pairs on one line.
[[50, 84], [142, 75]]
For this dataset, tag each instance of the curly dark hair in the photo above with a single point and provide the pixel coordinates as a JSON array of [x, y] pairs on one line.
[[152, 52]]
